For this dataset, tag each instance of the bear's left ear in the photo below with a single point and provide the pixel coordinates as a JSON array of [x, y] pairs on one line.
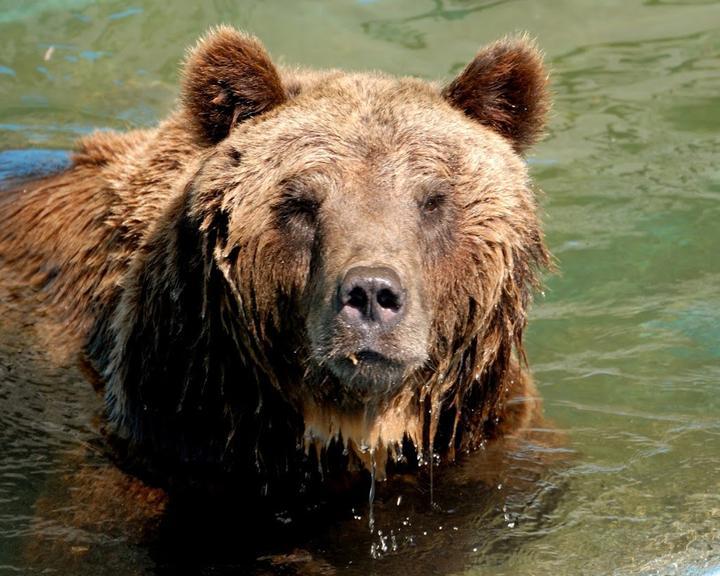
[[227, 78], [505, 88]]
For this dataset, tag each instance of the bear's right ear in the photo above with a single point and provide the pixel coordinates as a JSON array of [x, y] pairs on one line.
[[505, 88], [228, 77]]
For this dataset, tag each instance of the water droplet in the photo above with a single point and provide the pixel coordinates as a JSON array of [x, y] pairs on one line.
[[383, 542], [432, 486], [371, 496], [283, 518]]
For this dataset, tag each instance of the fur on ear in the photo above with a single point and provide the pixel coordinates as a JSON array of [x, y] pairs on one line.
[[505, 88], [228, 77]]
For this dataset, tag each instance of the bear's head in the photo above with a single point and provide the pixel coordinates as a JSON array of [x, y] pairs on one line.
[[357, 247]]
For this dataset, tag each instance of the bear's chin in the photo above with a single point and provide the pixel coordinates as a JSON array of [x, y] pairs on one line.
[[365, 403], [374, 432]]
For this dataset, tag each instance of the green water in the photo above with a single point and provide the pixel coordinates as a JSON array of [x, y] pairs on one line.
[[625, 343]]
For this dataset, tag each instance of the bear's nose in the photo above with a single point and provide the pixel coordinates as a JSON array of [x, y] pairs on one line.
[[371, 296]]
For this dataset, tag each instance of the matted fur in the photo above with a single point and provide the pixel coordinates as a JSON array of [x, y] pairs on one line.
[[198, 260]]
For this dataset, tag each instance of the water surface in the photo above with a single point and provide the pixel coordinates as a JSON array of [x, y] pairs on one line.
[[624, 343]]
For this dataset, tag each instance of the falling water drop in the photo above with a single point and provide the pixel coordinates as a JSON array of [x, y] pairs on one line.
[[432, 485], [371, 496]]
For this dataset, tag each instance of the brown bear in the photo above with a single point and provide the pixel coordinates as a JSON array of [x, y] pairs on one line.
[[299, 274]]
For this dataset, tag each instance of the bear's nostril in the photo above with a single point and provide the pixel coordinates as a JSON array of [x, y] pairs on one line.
[[357, 298], [388, 299]]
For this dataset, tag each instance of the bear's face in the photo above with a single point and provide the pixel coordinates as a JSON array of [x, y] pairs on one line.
[[373, 225]]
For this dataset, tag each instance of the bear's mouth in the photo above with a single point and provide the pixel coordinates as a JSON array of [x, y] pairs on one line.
[[368, 371], [367, 361], [369, 357]]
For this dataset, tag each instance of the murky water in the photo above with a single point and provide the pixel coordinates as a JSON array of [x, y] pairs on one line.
[[625, 345]]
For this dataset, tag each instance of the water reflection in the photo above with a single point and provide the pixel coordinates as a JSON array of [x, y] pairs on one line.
[[403, 32]]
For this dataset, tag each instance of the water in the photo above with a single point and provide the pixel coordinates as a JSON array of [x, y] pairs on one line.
[[371, 495], [625, 344]]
